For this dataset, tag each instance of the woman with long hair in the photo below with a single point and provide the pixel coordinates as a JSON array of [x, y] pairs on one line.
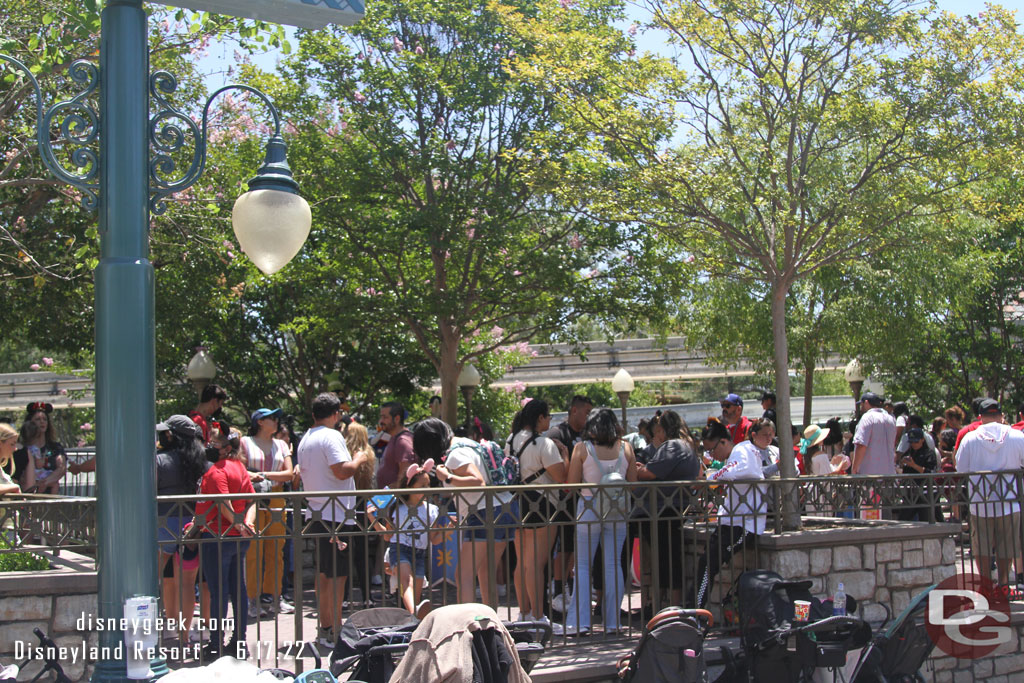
[[601, 453], [675, 460], [358, 441], [269, 463], [39, 444], [180, 464], [362, 546], [540, 462], [8, 439]]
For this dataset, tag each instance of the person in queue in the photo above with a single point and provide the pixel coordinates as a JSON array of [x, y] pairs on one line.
[[180, 465], [541, 461], [601, 453], [8, 440], [741, 517], [227, 529], [464, 467], [674, 460], [39, 443]]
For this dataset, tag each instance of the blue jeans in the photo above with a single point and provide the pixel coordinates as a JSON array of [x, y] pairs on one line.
[[611, 534], [416, 558], [224, 569]]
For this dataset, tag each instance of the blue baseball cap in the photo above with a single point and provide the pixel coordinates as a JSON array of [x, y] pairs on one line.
[[265, 412], [734, 399]]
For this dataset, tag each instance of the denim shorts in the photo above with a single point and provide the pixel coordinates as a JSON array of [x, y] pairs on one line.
[[169, 534], [414, 557], [505, 520]]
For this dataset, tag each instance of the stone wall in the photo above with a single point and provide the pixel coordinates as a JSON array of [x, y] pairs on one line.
[[53, 601]]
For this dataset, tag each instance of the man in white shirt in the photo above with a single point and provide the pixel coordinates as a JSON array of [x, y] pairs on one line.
[[998, 450], [875, 441], [327, 466]]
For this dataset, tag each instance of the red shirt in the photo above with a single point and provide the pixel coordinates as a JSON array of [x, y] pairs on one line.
[[1019, 426], [224, 476], [964, 431], [205, 424], [740, 429]]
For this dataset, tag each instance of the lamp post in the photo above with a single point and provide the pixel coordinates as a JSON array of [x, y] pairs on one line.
[[201, 370], [623, 385], [469, 380], [125, 183], [855, 376]]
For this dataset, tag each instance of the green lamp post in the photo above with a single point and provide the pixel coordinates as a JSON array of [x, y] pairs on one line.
[[126, 180]]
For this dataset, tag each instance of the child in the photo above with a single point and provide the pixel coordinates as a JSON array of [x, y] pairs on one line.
[[407, 519]]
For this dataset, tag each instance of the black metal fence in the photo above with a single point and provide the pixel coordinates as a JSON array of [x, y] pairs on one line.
[[595, 559]]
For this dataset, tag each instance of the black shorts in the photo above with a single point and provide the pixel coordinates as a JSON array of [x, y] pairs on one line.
[[535, 509], [563, 515], [332, 561]]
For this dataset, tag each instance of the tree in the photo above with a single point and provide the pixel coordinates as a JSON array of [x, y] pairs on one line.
[[438, 169], [812, 132]]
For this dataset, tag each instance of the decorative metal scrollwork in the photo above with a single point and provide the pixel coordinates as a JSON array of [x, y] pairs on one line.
[[169, 130], [78, 123]]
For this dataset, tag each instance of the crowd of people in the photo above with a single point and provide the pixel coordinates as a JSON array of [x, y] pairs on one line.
[[561, 550]]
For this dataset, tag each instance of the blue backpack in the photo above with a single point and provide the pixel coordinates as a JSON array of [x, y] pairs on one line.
[[502, 470]]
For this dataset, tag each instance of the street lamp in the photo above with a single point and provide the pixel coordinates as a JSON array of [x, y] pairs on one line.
[[855, 376], [201, 370], [623, 385], [469, 380], [125, 180]]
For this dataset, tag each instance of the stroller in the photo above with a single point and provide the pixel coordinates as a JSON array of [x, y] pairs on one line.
[[774, 647], [671, 649], [897, 654], [373, 640]]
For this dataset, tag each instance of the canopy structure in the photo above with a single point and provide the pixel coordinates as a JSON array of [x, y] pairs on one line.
[[311, 14]]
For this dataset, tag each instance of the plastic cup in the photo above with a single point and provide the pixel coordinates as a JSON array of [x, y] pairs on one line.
[[801, 610]]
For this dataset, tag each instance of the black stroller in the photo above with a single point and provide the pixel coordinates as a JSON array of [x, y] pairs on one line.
[[897, 654], [373, 640], [671, 649], [775, 648]]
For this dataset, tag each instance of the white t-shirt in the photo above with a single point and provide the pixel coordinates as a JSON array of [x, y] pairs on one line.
[[411, 525], [904, 444], [542, 453], [464, 452], [997, 449], [320, 448], [744, 505]]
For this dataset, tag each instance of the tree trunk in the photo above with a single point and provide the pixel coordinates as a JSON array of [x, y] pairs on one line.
[[787, 461], [449, 372], [808, 390]]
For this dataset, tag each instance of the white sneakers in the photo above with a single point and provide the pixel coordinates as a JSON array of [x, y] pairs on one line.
[[285, 607]]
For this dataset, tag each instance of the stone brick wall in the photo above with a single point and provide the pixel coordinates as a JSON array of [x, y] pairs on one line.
[[53, 601]]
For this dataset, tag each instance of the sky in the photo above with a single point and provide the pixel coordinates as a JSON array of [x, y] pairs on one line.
[[219, 59]]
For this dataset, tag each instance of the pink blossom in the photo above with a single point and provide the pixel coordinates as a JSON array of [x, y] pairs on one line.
[[419, 50], [34, 366], [47, 361], [358, 97], [81, 443], [594, 272], [227, 244], [575, 242], [450, 145], [63, 392], [511, 54], [86, 427], [690, 259], [470, 233], [566, 4], [518, 387], [522, 404], [230, 254], [632, 29], [397, 44], [517, 273], [496, 332], [360, 56]]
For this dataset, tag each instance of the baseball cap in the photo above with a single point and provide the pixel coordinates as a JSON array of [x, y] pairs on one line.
[[733, 399], [265, 412], [989, 406], [872, 398], [180, 425], [915, 434]]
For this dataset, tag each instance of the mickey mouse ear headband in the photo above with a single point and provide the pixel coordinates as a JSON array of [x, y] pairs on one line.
[[415, 469], [39, 406]]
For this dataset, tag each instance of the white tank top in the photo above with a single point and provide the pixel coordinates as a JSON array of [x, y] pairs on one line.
[[592, 471]]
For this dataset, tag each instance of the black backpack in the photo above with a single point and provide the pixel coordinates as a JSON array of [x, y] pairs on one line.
[[671, 649]]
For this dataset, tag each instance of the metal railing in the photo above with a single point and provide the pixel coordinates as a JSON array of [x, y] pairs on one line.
[[614, 553]]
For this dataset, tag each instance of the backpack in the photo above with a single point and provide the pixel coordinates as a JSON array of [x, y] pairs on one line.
[[608, 501], [502, 470], [671, 649]]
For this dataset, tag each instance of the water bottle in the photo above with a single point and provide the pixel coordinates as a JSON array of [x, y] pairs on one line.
[[839, 602]]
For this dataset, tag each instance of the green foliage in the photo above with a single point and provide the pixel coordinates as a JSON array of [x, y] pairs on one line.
[[19, 562]]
